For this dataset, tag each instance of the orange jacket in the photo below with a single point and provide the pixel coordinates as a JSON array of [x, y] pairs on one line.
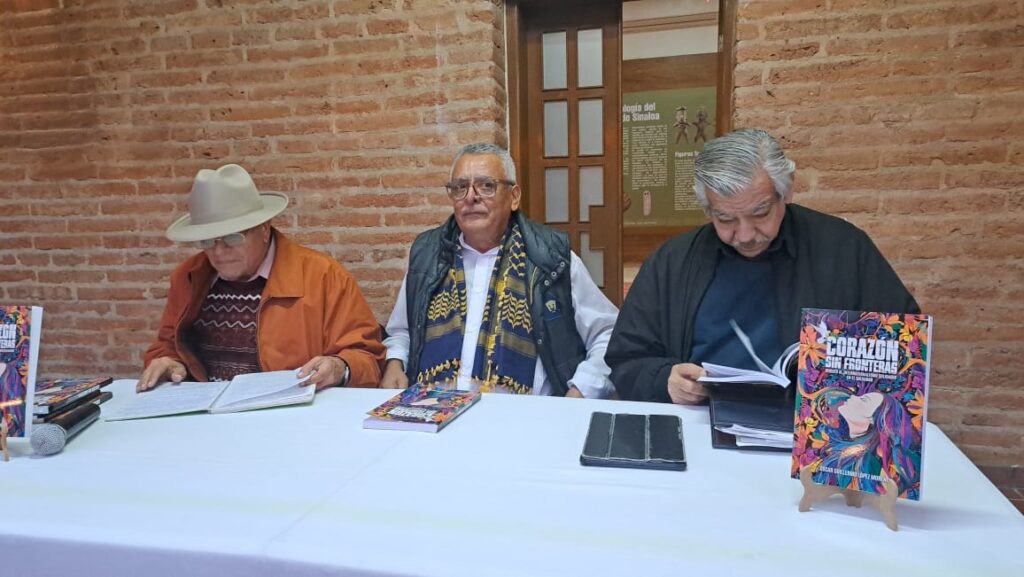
[[311, 306]]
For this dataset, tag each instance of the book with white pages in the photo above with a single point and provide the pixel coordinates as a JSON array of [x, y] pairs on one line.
[[773, 375], [243, 393]]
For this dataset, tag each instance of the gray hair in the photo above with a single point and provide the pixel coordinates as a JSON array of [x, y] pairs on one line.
[[728, 164], [487, 148]]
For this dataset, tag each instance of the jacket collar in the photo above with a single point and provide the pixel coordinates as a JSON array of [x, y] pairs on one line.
[[547, 261], [286, 275]]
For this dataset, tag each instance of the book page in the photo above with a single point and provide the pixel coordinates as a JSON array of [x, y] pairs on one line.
[[166, 399], [256, 390], [750, 348], [724, 374]]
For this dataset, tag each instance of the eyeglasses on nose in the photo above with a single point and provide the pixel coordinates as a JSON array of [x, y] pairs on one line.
[[483, 186], [228, 240]]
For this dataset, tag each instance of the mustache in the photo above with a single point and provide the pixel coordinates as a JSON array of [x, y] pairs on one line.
[[751, 244]]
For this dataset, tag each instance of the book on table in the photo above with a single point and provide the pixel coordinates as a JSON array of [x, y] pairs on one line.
[[751, 421], [20, 328], [862, 391], [97, 397], [53, 395], [751, 409], [634, 441], [242, 393], [421, 407], [718, 375]]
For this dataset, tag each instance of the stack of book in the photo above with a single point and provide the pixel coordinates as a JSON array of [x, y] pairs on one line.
[[55, 397]]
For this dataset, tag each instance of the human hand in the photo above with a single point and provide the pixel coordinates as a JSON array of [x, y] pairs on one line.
[[573, 393], [683, 387], [323, 372], [394, 375], [160, 370]]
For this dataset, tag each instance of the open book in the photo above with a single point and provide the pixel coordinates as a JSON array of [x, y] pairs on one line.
[[243, 393], [774, 375]]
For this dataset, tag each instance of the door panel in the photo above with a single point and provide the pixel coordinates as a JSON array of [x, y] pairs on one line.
[[566, 71]]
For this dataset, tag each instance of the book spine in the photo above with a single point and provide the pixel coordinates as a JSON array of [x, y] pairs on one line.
[[67, 403]]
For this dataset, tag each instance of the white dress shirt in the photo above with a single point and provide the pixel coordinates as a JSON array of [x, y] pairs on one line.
[[595, 318]]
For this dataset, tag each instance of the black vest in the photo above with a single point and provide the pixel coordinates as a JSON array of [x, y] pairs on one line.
[[549, 296]]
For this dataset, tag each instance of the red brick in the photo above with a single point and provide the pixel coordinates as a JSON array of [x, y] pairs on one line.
[[987, 437], [772, 51], [250, 37], [291, 128], [956, 15], [337, 29], [16, 275], [290, 54], [200, 19], [38, 293], [243, 112], [168, 43], [348, 47], [821, 26], [333, 68], [948, 154], [159, 8], [1009, 35], [969, 178], [197, 59], [754, 10], [308, 11]]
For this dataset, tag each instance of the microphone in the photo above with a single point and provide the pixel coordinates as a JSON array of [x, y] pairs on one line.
[[50, 438]]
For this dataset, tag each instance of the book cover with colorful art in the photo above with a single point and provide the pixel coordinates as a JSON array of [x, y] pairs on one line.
[[861, 399], [421, 407], [19, 353], [54, 395]]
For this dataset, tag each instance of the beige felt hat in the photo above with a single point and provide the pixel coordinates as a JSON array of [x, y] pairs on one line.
[[224, 201]]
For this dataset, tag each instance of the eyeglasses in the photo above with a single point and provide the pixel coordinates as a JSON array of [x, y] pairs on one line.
[[228, 240], [483, 186]]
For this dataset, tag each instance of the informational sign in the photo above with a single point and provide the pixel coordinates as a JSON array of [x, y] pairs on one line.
[[662, 132]]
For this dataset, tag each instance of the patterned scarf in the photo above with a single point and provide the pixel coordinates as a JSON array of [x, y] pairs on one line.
[[506, 356]]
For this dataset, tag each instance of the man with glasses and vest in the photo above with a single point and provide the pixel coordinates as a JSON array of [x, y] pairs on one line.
[[252, 300], [495, 302]]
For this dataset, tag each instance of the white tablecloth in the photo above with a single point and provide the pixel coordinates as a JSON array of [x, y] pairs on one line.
[[307, 491]]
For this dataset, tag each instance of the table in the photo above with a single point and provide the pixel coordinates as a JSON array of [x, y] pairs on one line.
[[500, 491]]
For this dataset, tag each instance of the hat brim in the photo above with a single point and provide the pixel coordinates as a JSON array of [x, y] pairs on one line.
[[182, 230]]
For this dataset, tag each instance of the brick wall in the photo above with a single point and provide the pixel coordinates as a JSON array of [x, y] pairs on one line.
[[904, 116], [108, 109], [907, 118]]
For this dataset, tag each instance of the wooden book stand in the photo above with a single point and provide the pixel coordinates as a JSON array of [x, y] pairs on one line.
[[3, 439], [814, 492]]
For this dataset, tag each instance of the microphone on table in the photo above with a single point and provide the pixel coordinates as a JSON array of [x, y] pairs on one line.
[[50, 438]]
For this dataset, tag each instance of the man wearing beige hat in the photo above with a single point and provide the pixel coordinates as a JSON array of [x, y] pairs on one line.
[[254, 301]]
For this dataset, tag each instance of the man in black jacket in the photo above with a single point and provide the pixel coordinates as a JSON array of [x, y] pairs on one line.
[[759, 261]]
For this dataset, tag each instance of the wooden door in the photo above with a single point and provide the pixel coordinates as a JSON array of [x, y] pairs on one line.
[[565, 67]]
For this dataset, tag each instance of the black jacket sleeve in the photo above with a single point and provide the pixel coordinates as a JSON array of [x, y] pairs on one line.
[[637, 352]]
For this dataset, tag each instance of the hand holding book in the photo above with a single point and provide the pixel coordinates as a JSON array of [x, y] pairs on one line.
[[774, 375], [324, 371], [684, 386]]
